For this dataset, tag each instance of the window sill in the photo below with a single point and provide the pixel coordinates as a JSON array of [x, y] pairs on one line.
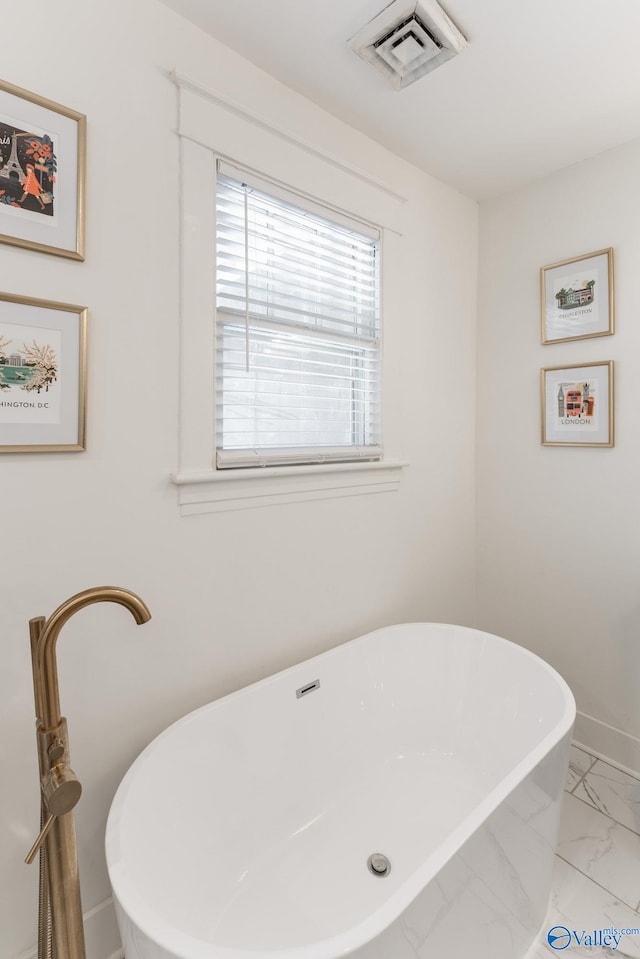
[[213, 491]]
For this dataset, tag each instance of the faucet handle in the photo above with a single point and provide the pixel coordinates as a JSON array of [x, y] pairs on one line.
[[31, 855], [61, 791], [56, 750]]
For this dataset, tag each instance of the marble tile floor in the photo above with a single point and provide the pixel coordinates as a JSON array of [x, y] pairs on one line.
[[596, 883]]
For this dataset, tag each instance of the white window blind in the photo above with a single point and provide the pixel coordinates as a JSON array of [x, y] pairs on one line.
[[297, 329]]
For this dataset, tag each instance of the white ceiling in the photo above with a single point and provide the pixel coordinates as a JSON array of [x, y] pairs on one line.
[[543, 83]]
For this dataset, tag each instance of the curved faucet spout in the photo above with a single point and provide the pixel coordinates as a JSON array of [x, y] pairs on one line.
[[49, 630]]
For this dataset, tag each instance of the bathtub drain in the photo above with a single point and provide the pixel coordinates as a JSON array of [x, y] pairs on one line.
[[378, 864]]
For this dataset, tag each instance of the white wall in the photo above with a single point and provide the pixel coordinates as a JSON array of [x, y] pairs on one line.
[[237, 595], [557, 528]]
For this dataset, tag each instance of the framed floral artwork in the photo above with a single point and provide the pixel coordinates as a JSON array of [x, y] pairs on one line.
[[43, 363], [577, 405], [42, 174], [577, 298]]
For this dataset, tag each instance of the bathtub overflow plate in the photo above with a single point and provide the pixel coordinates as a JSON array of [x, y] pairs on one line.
[[378, 864]]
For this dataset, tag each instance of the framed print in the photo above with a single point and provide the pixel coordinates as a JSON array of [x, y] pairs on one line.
[[43, 361], [577, 298], [577, 405], [42, 174]]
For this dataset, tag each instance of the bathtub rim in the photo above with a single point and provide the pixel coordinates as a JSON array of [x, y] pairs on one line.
[[181, 945]]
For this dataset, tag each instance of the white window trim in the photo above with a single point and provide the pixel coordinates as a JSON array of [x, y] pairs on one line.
[[201, 487], [211, 491]]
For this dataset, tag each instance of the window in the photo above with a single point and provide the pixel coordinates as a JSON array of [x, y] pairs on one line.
[[306, 313], [297, 329]]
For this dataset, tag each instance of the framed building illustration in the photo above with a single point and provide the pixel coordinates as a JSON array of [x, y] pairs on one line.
[[576, 298], [577, 405]]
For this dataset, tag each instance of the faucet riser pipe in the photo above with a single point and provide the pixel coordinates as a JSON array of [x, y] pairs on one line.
[[64, 889]]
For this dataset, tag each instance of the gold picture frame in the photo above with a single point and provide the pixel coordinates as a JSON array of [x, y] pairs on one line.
[[576, 298], [42, 174], [577, 404], [43, 375]]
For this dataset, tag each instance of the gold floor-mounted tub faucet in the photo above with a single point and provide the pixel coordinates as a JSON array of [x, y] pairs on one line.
[[60, 929]]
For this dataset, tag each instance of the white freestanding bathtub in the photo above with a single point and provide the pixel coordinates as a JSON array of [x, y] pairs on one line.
[[245, 829]]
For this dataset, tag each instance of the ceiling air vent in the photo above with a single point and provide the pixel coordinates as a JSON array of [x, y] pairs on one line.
[[407, 40]]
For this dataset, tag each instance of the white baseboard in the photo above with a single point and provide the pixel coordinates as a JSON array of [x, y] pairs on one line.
[[608, 743], [101, 935]]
